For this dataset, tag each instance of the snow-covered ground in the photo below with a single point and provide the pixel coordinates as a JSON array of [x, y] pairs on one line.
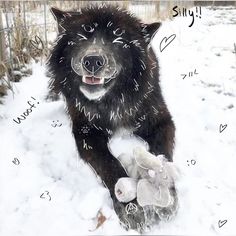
[[51, 192]]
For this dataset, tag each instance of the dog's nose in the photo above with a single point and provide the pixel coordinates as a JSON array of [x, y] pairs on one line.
[[93, 63]]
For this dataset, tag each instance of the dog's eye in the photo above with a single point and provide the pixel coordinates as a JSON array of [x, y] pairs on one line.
[[88, 28], [118, 32]]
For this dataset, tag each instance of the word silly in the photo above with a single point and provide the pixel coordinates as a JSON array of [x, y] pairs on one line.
[[18, 120], [185, 13]]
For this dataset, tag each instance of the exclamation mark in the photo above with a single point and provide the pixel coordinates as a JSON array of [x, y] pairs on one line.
[[196, 12], [200, 16], [34, 99]]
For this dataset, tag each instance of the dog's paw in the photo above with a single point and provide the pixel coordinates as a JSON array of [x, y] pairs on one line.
[[167, 213], [133, 216], [150, 194], [126, 189]]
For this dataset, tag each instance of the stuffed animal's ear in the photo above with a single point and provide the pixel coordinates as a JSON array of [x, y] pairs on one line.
[[145, 159], [149, 31]]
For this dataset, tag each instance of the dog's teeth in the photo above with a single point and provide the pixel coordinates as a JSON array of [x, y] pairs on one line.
[[84, 78], [102, 80]]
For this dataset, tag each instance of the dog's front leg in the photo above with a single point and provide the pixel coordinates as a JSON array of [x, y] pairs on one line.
[[160, 137], [93, 149]]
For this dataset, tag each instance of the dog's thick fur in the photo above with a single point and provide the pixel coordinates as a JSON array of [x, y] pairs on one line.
[[133, 99]]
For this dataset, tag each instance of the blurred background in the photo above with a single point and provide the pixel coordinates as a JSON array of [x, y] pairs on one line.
[[27, 29]]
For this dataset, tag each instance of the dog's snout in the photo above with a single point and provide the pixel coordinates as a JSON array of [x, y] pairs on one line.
[[93, 63]]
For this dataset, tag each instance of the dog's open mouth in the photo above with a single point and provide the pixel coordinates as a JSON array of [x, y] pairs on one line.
[[92, 80]]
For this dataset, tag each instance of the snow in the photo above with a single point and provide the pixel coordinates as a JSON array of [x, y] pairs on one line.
[[199, 105]]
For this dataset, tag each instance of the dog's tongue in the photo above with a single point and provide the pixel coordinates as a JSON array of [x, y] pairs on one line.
[[92, 80]]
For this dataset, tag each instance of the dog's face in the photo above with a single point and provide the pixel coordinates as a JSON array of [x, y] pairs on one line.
[[103, 48]]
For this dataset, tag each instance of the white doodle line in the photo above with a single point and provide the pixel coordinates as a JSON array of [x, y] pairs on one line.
[[131, 208], [86, 146], [82, 37], [87, 114], [136, 85], [118, 40]]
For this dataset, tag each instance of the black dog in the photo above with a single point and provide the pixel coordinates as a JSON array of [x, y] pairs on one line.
[[104, 66]]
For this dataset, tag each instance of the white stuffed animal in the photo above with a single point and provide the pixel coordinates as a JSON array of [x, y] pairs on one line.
[[150, 179]]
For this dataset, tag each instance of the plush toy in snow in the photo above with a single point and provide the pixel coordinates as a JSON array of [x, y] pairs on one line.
[[150, 179]]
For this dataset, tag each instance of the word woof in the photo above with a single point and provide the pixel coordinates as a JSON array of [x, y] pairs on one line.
[[189, 74], [22, 117], [185, 13]]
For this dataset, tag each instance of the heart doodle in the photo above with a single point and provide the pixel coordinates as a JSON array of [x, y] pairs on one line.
[[37, 43], [221, 223], [222, 127], [166, 41]]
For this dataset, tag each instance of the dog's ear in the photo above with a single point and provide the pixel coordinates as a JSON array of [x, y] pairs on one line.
[[149, 31], [60, 17]]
